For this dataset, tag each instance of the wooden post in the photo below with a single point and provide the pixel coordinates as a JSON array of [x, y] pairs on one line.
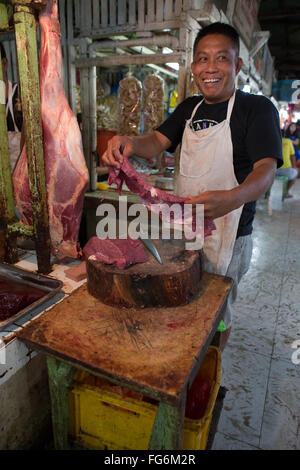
[[64, 47], [60, 378], [167, 430], [71, 59], [7, 211], [182, 73], [25, 29], [85, 103], [93, 125]]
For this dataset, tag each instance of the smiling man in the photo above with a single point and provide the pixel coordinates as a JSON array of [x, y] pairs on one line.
[[230, 149]]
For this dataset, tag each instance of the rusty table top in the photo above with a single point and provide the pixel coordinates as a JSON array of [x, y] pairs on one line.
[[154, 351]]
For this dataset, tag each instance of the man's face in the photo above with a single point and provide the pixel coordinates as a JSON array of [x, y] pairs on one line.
[[215, 67]]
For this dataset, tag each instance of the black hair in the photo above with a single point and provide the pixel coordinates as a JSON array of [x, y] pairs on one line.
[[3, 53], [219, 28], [288, 132]]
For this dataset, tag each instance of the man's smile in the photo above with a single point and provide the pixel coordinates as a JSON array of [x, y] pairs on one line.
[[211, 80]]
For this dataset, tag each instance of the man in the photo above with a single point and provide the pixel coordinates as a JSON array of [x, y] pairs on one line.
[[231, 147], [13, 112]]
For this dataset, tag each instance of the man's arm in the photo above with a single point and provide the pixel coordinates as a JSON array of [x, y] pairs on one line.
[[145, 146], [292, 156], [219, 203], [293, 161]]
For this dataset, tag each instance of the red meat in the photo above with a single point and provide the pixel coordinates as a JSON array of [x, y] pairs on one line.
[[150, 196], [65, 168], [14, 297], [119, 252]]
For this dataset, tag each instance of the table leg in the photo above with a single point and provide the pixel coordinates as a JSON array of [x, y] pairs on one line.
[[60, 378], [168, 428]]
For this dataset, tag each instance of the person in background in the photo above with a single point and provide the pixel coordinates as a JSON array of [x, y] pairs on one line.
[[230, 149], [292, 133], [13, 109], [289, 168]]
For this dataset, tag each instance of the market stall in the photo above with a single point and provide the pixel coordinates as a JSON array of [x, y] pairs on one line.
[[82, 330]]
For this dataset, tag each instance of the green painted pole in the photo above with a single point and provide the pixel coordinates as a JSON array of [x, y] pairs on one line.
[[167, 430], [7, 211], [61, 376], [25, 30]]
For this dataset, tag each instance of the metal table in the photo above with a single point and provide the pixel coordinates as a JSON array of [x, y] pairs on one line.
[[156, 352]]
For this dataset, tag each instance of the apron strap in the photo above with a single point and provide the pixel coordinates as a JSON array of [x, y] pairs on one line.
[[230, 107], [195, 109]]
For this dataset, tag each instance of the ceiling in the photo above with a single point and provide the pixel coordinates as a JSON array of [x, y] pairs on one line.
[[282, 19]]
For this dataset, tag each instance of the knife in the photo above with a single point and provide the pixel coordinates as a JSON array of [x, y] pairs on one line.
[[151, 247]]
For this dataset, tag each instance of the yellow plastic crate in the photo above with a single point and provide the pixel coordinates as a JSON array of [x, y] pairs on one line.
[[103, 419]]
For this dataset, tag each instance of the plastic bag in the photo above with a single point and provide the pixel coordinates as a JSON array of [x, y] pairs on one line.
[[153, 108], [129, 103], [107, 112]]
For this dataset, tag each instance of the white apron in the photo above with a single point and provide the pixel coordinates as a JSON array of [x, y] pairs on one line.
[[14, 137], [206, 164]]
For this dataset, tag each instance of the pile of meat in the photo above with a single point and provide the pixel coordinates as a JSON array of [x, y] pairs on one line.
[[15, 297], [119, 252], [65, 167], [125, 252]]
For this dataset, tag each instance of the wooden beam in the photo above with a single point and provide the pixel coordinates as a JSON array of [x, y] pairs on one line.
[[279, 16], [96, 14], [291, 67], [125, 29], [110, 61]]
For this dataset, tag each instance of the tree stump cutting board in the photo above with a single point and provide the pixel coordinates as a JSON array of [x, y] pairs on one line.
[[149, 284]]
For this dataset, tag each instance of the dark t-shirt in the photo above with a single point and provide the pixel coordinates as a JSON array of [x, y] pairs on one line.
[[255, 134]]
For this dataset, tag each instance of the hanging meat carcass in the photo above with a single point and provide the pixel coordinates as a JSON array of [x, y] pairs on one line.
[[65, 168]]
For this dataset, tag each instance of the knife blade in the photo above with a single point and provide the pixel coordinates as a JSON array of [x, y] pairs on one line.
[[152, 248]]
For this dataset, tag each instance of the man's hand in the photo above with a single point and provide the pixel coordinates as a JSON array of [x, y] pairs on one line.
[[39, 3], [216, 203], [144, 146], [117, 148]]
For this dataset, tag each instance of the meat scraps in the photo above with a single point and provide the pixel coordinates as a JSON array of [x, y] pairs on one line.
[[150, 196], [119, 252], [65, 168], [14, 297]]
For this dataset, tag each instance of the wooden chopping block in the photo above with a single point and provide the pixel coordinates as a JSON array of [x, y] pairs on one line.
[[149, 284]]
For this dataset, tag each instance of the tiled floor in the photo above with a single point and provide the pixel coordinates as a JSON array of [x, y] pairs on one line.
[[262, 406]]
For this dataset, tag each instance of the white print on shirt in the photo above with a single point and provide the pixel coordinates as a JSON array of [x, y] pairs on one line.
[[203, 124]]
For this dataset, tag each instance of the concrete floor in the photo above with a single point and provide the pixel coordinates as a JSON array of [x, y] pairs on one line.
[[262, 406]]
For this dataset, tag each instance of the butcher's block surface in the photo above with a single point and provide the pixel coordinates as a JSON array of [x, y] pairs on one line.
[[155, 349], [174, 282]]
